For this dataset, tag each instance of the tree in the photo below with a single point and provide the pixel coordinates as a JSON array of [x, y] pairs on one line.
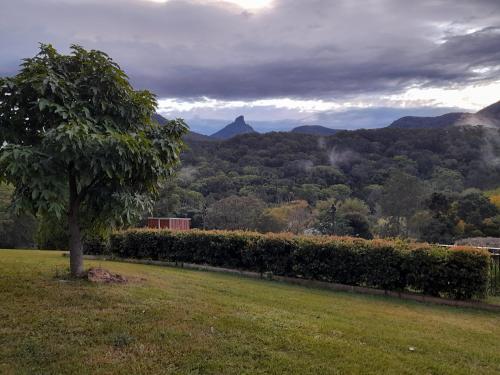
[[295, 216], [469, 214], [78, 140], [402, 196], [326, 219], [308, 192], [235, 213], [15, 230], [52, 233], [299, 216], [418, 224], [353, 218], [353, 205], [349, 217], [339, 192], [355, 224], [447, 180], [473, 207]]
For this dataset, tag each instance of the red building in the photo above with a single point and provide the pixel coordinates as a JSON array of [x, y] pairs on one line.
[[173, 223]]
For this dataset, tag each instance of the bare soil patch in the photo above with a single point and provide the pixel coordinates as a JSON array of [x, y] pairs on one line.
[[101, 275]]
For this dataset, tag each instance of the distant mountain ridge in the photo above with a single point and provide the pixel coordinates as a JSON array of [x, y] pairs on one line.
[[416, 122], [237, 127], [491, 110], [315, 129], [159, 119], [190, 136], [488, 116]]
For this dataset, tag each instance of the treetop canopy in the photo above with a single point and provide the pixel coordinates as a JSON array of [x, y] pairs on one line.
[[76, 117]]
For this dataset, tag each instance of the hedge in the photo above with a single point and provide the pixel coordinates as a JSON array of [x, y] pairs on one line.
[[460, 273]]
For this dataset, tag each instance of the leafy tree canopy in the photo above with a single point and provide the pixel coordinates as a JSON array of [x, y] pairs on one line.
[[77, 139]]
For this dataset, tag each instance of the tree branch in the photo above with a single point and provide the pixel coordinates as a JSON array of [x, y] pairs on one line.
[[84, 191]]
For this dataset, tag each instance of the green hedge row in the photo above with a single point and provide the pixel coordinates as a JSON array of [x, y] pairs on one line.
[[460, 273]]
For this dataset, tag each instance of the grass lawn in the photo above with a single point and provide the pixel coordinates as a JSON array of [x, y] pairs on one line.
[[494, 300], [173, 321]]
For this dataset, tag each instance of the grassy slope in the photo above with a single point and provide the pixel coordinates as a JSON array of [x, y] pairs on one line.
[[178, 321]]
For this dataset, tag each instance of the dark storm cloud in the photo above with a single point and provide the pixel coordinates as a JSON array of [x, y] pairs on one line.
[[477, 49], [300, 49]]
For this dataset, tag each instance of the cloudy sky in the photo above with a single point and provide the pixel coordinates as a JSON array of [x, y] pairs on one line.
[[339, 63]]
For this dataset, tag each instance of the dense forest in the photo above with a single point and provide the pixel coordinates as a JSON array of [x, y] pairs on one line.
[[431, 184], [438, 185]]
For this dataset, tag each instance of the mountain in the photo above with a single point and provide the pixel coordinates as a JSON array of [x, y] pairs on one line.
[[197, 137], [237, 127], [315, 129], [488, 116], [190, 136], [159, 119], [417, 122]]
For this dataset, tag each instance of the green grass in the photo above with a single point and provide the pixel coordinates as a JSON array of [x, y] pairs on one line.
[[173, 321], [494, 300]]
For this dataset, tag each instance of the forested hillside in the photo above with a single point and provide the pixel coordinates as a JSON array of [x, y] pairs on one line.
[[424, 183], [436, 185]]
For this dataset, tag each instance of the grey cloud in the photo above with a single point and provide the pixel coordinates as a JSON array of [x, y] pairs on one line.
[[301, 49], [480, 49], [369, 118]]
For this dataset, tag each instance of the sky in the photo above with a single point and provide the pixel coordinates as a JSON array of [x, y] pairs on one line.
[[280, 63]]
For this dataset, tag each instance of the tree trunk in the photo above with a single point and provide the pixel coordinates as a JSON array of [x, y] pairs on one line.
[[75, 236], [75, 244]]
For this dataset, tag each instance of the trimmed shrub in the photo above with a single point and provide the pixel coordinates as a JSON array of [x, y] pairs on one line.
[[460, 273], [425, 267], [95, 245], [382, 265], [467, 273]]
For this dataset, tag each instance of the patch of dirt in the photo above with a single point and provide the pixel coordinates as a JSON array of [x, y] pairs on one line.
[[101, 275]]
